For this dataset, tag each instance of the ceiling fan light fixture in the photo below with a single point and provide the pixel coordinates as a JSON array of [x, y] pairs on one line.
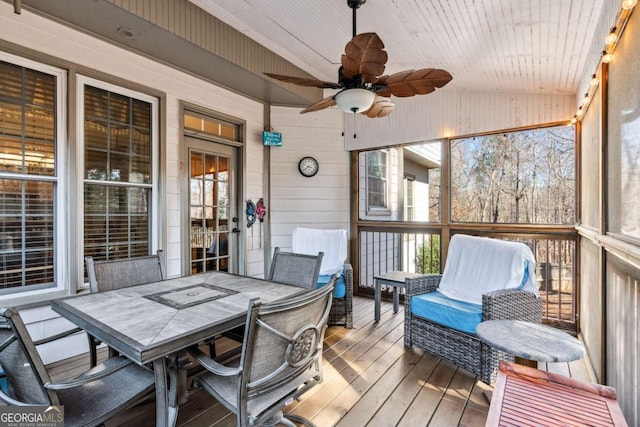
[[355, 100]]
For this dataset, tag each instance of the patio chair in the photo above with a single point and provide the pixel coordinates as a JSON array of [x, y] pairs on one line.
[[122, 273], [281, 359], [286, 267], [484, 279], [295, 269], [333, 243], [88, 399]]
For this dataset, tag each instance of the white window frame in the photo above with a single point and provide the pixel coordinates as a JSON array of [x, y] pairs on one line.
[[61, 278], [80, 182], [378, 210]]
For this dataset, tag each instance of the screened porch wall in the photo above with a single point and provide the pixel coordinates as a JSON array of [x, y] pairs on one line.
[[608, 230]]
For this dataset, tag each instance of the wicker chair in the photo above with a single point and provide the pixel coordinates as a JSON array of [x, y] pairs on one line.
[[122, 273], [333, 243], [461, 348], [281, 359], [89, 399]]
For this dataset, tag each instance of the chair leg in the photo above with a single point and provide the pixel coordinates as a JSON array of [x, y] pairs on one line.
[[287, 420], [296, 418], [93, 353]]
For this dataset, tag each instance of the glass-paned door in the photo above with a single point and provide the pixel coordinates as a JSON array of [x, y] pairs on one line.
[[212, 209]]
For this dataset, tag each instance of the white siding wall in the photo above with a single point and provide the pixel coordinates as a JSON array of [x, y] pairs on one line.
[[321, 201], [449, 113], [96, 57]]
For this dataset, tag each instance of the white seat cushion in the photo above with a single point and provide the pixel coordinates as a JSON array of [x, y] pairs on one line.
[[477, 265], [332, 242]]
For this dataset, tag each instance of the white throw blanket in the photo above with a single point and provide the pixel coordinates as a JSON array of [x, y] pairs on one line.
[[332, 242], [477, 265]]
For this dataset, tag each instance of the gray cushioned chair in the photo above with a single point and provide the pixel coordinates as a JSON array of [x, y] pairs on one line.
[[122, 273], [88, 399], [281, 359]]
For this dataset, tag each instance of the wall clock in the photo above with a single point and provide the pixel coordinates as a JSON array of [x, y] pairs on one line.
[[308, 166]]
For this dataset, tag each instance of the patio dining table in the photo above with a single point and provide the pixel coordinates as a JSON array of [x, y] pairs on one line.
[[155, 323]]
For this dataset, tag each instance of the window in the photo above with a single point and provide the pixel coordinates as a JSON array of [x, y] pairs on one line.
[[119, 143], [209, 126], [31, 223], [408, 197], [377, 180], [518, 177], [401, 183]]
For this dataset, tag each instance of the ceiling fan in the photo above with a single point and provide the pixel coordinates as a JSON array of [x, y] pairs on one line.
[[363, 87]]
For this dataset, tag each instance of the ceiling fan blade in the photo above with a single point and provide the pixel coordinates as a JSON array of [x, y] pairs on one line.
[[381, 107], [320, 105], [364, 55], [300, 81], [413, 82]]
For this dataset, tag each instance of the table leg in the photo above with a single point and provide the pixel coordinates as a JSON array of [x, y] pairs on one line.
[[526, 362], [376, 305], [166, 393], [396, 299]]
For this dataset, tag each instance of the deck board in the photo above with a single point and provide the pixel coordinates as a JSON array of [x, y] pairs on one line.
[[370, 379]]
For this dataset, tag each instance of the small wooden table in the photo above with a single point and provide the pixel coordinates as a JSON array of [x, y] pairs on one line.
[[530, 341], [527, 396], [390, 278]]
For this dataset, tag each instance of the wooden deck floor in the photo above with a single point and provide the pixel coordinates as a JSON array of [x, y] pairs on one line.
[[370, 379]]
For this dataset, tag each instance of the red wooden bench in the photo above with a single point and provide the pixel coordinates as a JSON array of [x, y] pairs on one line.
[[528, 396]]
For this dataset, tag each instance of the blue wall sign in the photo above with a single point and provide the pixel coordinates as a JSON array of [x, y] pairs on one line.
[[272, 139]]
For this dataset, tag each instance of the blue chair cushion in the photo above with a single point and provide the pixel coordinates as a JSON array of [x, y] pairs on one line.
[[460, 315], [339, 289]]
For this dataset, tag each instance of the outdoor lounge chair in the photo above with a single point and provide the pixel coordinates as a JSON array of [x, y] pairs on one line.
[[122, 273], [333, 243], [483, 279], [88, 399], [281, 359]]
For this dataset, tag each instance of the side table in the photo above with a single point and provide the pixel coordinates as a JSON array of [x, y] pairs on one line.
[[532, 341], [390, 278]]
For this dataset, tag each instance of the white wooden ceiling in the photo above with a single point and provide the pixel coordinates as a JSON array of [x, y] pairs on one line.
[[533, 46]]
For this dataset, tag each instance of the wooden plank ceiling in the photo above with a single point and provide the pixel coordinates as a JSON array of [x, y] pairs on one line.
[[534, 46]]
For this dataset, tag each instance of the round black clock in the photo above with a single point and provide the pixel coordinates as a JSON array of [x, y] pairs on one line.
[[308, 166]]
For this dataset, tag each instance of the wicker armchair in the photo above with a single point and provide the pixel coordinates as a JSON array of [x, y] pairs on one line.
[[281, 359], [122, 273], [88, 399], [462, 348], [333, 243]]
